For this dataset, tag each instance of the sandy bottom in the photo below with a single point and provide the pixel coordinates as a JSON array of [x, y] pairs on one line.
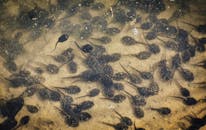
[[48, 118]]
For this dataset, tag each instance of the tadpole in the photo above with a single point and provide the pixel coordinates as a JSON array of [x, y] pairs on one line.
[[70, 120], [170, 45], [124, 119], [186, 74], [46, 93], [103, 39], [143, 91], [87, 48], [184, 91], [132, 77], [138, 112], [128, 40], [85, 105], [146, 25], [196, 123], [61, 39], [87, 75], [59, 58], [201, 84], [175, 61], [136, 100], [142, 55], [199, 28], [189, 101], [119, 76], [118, 126], [72, 66], [112, 31], [118, 86], [151, 35], [8, 124], [185, 56], [32, 108], [11, 107], [51, 68], [144, 74], [166, 73], [73, 89], [201, 64], [23, 121], [162, 110], [92, 93], [84, 116]]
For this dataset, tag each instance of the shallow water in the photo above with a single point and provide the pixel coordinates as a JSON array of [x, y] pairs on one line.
[[39, 41]]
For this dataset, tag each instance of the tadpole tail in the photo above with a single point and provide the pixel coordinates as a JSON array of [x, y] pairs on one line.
[[17, 127], [94, 38], [4, 78], [177, 83], [61, 111], [70, 77], [135, 127], [81, 96], [198, 65], [78, 46], [59, 88], [105, 98], [135, 69], [55, 46], [117, 113], [202, 62], [154, 109], [177, 97], [203, 82], [60, 92], [134, 85], [78, 80], [160, 40], [124, 69], [128, 93], [188, 23], [142, 43], [108, 124]]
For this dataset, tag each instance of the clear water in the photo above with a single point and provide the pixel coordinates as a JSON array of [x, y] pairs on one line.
[[33, 43]]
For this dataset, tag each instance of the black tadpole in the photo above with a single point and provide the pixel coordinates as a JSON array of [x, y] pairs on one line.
[[8, 124], [70, 120], [144, 74], [61, 39], [186, 74], [187, 100], [201, 64], [92, 93], [23, 121], [73, 89], [132, 77], [201, 84], [199, 28], [124, 119], [118, 126], [87, 48], [162, 110], [184, 91], [103, 39], [119, 98]]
